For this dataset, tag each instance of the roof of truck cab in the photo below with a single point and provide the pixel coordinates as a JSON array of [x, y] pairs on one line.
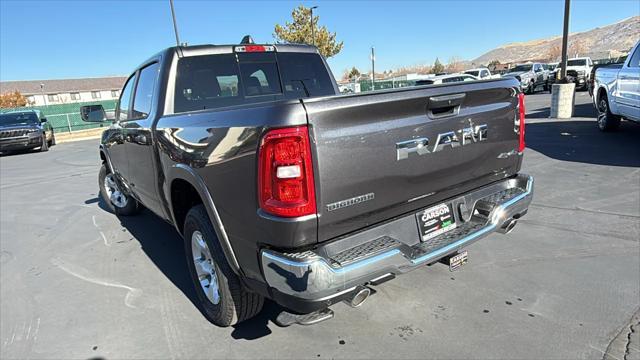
[[208, 49], [196, 50]]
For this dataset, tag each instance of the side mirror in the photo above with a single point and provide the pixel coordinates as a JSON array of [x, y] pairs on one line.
[[43, 120], [94, 113]]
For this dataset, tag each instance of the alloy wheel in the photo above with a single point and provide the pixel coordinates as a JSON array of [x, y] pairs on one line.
[[118, 199], [205, 267]]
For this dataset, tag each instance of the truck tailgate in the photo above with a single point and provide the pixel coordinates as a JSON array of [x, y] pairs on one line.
[[384, 154]]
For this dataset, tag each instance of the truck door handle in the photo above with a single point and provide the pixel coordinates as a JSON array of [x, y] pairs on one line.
[[443, 106]]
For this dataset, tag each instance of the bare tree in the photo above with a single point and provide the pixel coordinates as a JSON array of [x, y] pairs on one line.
[[454, 65]]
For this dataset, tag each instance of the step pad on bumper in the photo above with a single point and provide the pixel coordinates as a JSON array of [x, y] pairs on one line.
[[364, 251]]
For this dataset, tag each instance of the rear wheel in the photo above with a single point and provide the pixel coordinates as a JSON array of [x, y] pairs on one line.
[[223, 299], [53, 139], [116, 200], [606, 120]]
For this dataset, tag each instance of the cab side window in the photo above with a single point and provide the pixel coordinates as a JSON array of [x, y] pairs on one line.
[[635, 58], [122, 113], [144, 92]]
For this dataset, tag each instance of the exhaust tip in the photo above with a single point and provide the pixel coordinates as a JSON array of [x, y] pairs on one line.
[[508, 226], [360, 296]]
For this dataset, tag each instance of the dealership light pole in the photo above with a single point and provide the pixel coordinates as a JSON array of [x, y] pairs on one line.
[[313, 30], [44, 98], [373, 68], [565, 39]]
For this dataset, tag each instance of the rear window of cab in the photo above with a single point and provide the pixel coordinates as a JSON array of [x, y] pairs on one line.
[[222, 80]]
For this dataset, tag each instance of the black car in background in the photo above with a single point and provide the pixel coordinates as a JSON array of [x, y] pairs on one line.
[[23, 130]]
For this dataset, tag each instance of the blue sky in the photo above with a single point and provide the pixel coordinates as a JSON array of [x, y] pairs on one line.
[[62, 39]]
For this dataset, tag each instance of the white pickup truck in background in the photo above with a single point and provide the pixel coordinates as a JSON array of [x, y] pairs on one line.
[[616, 93], [482, 73], [580, 70]]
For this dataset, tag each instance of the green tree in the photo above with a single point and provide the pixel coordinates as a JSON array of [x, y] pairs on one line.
[[494, 63], [353, 73], [437, 67], [299, 32]]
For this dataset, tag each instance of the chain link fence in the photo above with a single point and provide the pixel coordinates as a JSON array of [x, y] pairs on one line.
[[66, 117]]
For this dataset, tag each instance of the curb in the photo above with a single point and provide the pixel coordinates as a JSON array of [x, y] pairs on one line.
[[79, 135]]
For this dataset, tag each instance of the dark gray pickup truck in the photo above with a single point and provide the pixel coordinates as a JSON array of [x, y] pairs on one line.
[[284, 189]]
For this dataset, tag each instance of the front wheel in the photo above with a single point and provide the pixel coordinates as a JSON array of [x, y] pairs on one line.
[[115, 199], [530, 88], [223, 299], [45, 144], [606, 120]]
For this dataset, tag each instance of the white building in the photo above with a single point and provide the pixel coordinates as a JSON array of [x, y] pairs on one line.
[[410, 77], [64, 91]]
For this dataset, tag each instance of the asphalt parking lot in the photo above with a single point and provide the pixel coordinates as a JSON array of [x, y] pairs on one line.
[[77, 282]]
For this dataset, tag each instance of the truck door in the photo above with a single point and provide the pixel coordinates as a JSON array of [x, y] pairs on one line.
[[628, 99], [142, 171], [539, 74], [115, 140]]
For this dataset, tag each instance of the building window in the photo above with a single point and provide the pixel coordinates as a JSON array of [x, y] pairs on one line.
[[95, 94], [75, 96], [114, 94], [52, 97]]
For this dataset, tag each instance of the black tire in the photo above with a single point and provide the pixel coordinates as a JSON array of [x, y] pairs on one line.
[[131, 206], [235, 303], [531, 88], [606, 120], [45, 144], [547, 87], [52, 142]]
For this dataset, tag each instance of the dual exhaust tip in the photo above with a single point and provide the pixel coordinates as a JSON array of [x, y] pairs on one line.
[[358, 297], [508, 226]]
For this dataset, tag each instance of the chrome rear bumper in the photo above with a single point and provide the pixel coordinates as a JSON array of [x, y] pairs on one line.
[[325, 272]]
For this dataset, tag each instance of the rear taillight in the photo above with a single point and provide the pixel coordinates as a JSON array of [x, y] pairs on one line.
[[521, 144], [285, 173]]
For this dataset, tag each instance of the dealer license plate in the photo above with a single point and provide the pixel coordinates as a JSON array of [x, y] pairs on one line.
[[435, 221]]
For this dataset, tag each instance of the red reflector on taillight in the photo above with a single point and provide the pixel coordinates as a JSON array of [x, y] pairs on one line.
[[521, 144], [285, 173]]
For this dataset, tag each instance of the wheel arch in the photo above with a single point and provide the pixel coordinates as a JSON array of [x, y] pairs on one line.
[[104, 156], [183, 180], [603, 91]]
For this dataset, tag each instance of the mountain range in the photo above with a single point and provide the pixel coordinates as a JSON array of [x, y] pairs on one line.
[[602, 42]]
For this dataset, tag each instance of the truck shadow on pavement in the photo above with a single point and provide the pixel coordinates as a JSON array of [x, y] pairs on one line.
[[579, 110], [164, 247], [582, 141]]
